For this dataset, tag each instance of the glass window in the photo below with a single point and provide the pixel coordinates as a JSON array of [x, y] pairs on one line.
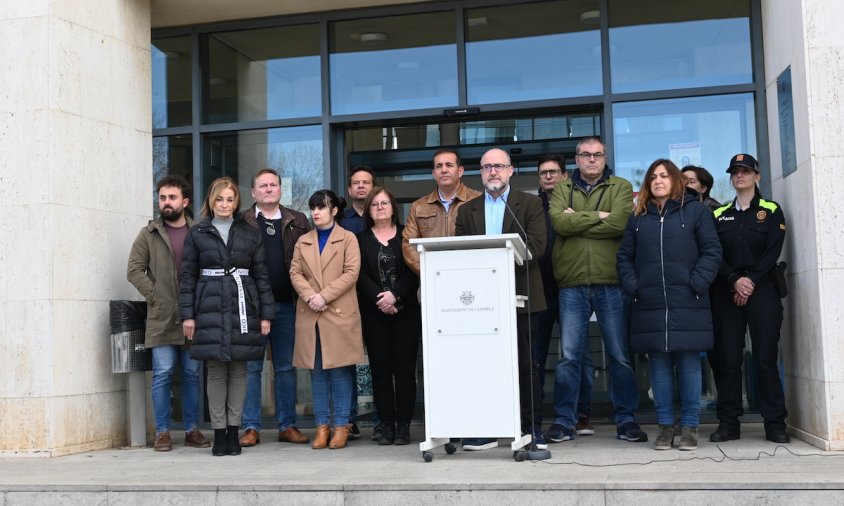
[[171, 155], [702, 131], [295, 152], [664, 44], [395, 63], [271, 73], [171, 82], [533, 51]]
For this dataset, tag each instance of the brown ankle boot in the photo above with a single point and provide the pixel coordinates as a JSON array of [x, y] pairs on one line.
[[340, 437], [321, 437]]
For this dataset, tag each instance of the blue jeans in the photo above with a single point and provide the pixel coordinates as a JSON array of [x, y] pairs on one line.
[[165, 359], [541, 345], [610, 306], [331, 387], [662, 382], [281, 338]]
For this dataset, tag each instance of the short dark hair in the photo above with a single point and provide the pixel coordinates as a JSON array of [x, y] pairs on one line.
[[265, 171], [362, 168], [368, 222], [327, 198], [589, 140], [175, 181], [553, 157], [703, 176], [444, 151]]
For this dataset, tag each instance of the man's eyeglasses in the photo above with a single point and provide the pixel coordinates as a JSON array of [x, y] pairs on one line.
[[549, 172], [383, 203], [490, 166], [586, 156]]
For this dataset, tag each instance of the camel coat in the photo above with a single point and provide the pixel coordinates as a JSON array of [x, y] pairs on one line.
[[332, 274]]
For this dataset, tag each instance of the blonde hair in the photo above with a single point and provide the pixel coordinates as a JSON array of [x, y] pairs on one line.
[[216, 188]]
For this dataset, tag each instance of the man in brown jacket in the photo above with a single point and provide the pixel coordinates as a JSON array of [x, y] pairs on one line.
[[435, 214], [154, 270]]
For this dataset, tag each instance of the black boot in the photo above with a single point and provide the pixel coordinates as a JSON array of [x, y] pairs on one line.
[[388, 434], [219, 448], [403, 433], [232, 442]]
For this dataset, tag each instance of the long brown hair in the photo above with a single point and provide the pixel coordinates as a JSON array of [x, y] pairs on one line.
[[678, 185]]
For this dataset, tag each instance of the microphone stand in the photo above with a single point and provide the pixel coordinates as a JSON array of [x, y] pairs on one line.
[[533, 453]]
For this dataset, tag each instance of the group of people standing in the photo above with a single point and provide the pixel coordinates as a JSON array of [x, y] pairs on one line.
[[322, 295]]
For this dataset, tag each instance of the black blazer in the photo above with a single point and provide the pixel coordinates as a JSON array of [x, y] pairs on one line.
[[471, 220], [369, 284]]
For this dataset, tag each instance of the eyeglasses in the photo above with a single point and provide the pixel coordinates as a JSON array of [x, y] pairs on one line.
[[490, 166], [586, 156], [383, 203], [549, 172]]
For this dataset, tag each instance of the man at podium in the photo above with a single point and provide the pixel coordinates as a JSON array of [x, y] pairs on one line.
[[503, 210]]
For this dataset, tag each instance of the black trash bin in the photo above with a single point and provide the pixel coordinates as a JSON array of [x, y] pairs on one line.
[[128, 324]]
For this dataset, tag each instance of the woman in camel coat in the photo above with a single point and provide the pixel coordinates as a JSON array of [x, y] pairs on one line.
[[329, 342]]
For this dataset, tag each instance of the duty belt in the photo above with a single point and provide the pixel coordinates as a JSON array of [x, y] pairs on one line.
[[241, 298]]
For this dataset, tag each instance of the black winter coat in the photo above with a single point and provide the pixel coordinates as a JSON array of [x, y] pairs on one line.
[[666, 263], [213, 300]]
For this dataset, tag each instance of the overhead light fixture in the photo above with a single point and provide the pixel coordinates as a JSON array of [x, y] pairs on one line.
[[478, 21], [373, 38], [590, 17]]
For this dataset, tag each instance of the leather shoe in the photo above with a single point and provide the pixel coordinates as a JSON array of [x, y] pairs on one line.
[[778, 436], [321, 437], [163, 442], [250, 438], [339, 438], [724, 434], [196, 439], [292, 435]]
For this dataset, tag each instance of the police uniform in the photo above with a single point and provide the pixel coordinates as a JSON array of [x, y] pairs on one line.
[[751, 239]]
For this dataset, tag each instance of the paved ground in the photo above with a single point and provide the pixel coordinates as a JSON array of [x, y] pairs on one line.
[[589, 470]]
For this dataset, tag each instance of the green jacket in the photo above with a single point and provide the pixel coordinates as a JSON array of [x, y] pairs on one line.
[[585, 246], [152, 271]]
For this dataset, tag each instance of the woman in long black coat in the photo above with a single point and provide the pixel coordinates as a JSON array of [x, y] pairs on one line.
[[226, 304], [669, 256]]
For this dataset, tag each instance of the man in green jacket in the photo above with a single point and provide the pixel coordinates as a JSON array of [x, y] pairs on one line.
[[589, 213], [154, 270]]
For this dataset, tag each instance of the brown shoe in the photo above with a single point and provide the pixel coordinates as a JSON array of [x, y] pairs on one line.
[[292, 435], [340, 438], [321, 437], [250, 438], [163, 442], [196, 439]]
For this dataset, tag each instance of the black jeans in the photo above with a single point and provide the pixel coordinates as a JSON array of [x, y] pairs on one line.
[[763, 314], [392, 343]]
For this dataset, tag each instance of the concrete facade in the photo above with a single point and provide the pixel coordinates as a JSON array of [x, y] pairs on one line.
[[806, 35], [76, 167]]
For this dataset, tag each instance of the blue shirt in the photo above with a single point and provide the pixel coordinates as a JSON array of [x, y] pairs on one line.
[[352, 221], [494, 212], [322, 237]]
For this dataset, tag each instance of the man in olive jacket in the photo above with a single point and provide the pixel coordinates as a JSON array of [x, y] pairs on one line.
[[589, 213], [153, 269]]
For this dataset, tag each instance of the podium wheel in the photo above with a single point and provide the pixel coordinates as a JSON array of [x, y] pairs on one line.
[[450, 448], [519, 455], [427, 456]]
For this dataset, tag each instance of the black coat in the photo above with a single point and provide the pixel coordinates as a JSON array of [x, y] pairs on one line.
[[667, 264], [369, 283], [213, 300]]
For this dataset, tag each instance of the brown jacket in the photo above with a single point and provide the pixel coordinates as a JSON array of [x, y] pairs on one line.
[[428, 218], [333, 275]]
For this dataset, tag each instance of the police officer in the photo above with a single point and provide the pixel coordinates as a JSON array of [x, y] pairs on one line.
[[752, 232]]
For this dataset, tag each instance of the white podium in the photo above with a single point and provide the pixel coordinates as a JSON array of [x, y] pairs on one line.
[[469, 339]]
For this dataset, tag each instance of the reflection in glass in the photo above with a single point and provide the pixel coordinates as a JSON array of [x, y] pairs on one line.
[[171, 155], [295, 152], [703, 131], [171, 82], [533, 51], [270, 73], [679, 44], [395, 63]]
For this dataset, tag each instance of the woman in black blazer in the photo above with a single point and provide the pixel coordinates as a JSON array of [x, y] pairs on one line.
[[390, 315]]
